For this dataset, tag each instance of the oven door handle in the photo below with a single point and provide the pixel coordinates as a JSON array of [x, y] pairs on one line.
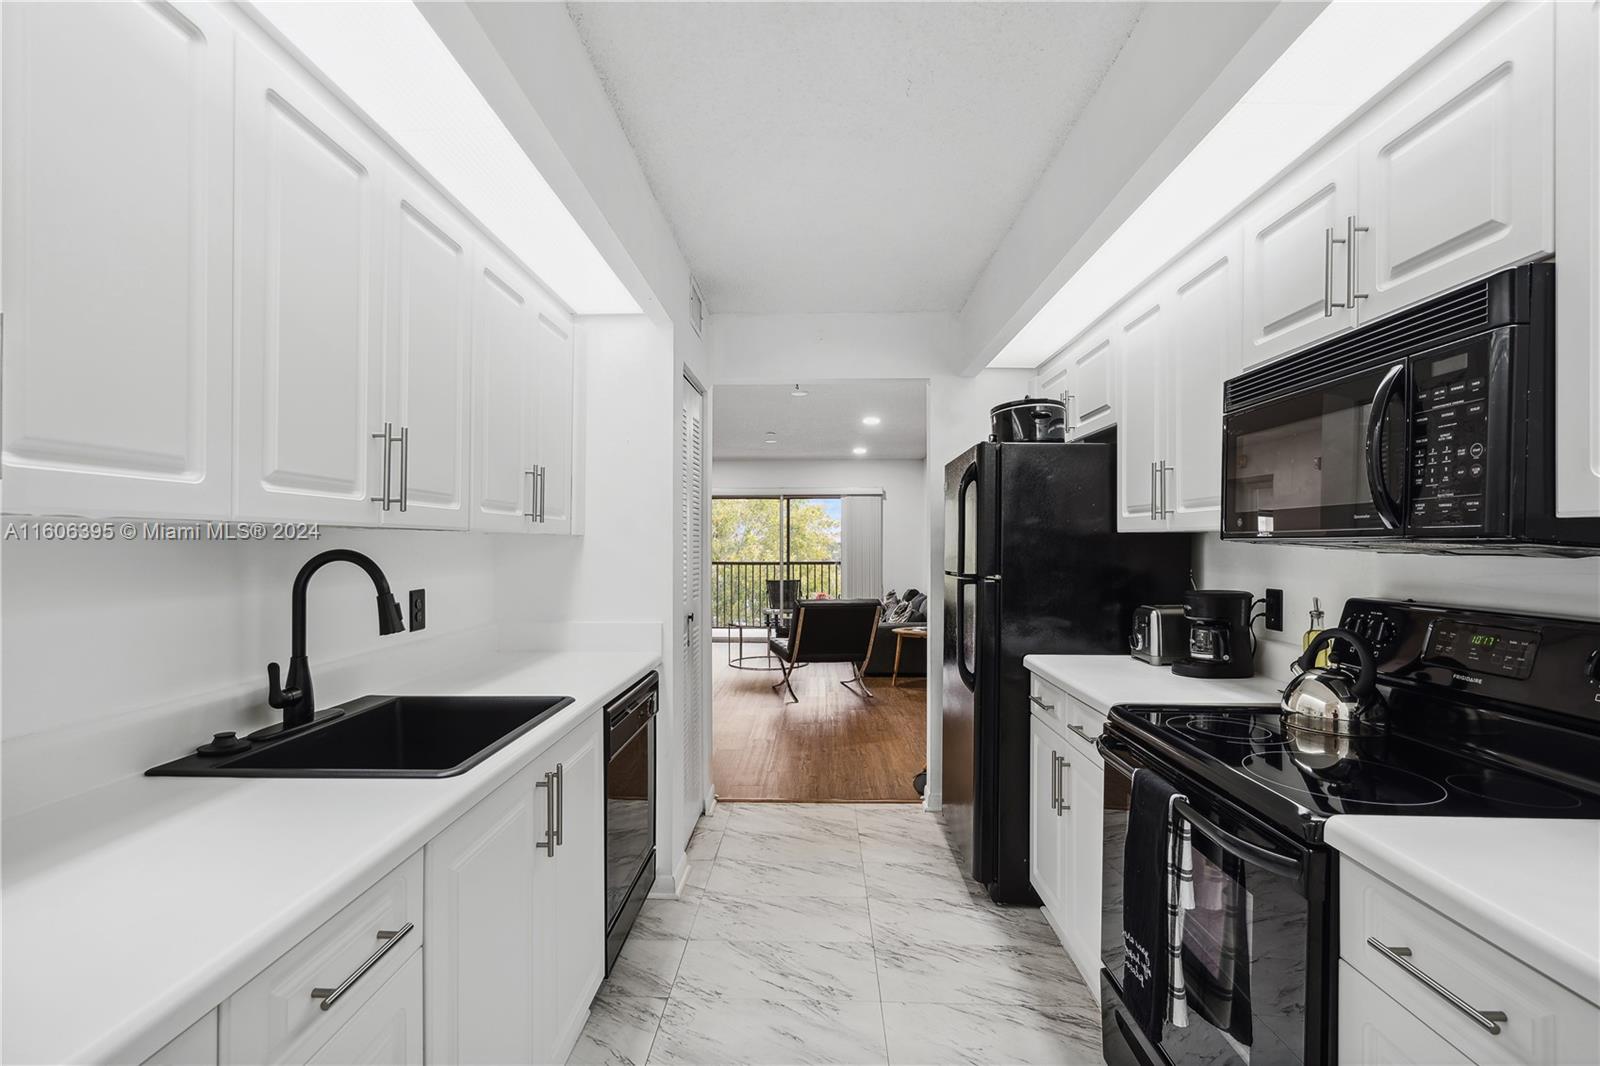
[[1267, 859], [1388, 509]]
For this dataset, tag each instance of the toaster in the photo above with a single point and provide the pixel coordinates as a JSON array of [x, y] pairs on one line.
[[1160, 634]]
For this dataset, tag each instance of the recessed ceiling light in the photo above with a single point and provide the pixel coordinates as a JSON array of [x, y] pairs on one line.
[[798, 391], [871, 420], [772, 438], [859, 450]]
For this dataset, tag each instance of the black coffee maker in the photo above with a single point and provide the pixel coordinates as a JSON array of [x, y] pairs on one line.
[[1220, 641]]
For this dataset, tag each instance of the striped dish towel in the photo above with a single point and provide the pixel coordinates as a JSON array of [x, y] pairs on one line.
[[1180, 899]]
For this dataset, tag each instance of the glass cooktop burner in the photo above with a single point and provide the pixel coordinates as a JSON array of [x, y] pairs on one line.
[[1223, 727], [1347, 782], [1512, 789]]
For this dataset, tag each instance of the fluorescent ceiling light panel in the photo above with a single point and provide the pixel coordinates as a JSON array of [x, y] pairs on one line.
[[871, 420], [389, 62], [858, 450], [1342, 60]]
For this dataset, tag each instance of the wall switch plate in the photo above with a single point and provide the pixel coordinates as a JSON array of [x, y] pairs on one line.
[[1274, 610], [419, 609]]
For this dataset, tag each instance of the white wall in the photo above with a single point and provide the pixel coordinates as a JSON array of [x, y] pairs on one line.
[[755, 349], [903, 481], [1513, 583]]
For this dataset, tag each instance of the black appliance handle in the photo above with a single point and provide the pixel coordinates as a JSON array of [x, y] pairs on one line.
[[968, 677], [1368, 676], [969, 477], [1269, 860], [1388, 508]]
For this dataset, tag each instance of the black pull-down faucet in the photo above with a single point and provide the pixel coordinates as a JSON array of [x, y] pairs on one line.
[[295, 698]]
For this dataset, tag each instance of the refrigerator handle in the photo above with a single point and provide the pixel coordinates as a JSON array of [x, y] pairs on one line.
[[968, 677], [969, 478]]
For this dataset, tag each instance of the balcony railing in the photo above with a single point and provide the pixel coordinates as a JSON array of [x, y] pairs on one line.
[[739, 590]]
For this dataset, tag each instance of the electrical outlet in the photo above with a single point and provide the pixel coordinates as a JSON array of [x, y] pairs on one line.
[[419, 609], [1275, 610]]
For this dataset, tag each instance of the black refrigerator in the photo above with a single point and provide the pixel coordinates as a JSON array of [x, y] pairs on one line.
[[1033, 564]]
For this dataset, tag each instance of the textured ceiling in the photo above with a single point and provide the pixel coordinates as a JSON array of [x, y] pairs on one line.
[[846, 157], [823, 424]]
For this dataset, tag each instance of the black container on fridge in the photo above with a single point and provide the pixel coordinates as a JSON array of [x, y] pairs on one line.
[[1033, 565]]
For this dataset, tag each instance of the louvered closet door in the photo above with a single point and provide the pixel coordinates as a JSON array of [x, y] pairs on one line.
[[691, 688]]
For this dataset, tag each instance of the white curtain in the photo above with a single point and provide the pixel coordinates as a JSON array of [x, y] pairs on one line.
[[861, 546]]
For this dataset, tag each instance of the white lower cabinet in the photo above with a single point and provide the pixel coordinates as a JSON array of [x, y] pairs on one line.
[[387, 1031], [516, 925], [195, 1046], [1374, 1030], [1065, 819]]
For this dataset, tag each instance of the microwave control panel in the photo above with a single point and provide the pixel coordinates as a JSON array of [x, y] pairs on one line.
[[1449, 439]]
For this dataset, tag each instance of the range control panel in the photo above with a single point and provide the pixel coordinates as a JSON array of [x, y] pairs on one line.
[[1543, 663], [1450, 439], [1483, 648]]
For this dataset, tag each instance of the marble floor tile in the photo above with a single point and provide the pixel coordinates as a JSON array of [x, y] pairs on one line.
[[818, 822], [765, 969], [1037, 975], [717, 819], [926, 1033], [902, 922], [645, 968], [699, 873], [697, 1030], [771, 847], [937, 878], [703, 845], [665, 919], [753, 877], [818, 919], [619, 1032]]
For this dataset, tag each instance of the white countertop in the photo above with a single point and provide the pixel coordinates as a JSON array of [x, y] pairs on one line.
[[1102, 681], [131, 911], [1530, 886]]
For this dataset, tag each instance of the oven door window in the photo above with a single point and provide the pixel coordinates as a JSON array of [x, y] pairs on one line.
[[630, 825], [1298, 465]]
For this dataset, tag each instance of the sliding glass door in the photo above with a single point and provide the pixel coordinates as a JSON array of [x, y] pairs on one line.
[[757, 539]]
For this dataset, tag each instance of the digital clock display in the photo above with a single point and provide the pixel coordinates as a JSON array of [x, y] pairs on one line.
[[1484, 640], [1479, 649]]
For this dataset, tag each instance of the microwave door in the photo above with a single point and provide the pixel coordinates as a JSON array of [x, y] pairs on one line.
[[1325, 461]]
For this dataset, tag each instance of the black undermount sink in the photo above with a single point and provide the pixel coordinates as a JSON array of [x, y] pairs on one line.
[[383, 736]]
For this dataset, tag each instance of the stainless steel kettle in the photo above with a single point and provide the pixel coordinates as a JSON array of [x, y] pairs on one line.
[[1333, 699]]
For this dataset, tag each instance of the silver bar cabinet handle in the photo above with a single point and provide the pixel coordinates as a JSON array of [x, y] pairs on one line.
[[544, 481], [1055, 782], [1350, 231], [532, 513], [387, 437], [1061, 788], [549, 841], [1078, 729], [405, 464], [390, 938], [1164, 470], [1048, 708], [1489, 1020], [561, 800], [1155, 505], [1328, 302]]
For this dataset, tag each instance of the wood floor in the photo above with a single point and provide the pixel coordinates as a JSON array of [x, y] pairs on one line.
[[832, 746]]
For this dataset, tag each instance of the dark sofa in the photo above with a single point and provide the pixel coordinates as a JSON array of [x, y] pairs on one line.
[[914, 663]]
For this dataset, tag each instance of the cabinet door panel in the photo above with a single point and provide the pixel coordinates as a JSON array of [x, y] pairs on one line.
[[486, 931], [1141, 361], [1202, 353], [118, 180], [1457, 182], [309, 276], [1374, 1030], [579, 885], [1289, 265], [427, 354], [505, 371], [1084, 865], [1044, 825], [556, 398], [1091, 381], [386, 1031]]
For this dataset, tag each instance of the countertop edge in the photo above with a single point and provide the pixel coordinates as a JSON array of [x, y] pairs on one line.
[[1551, 956], [174, 1009]]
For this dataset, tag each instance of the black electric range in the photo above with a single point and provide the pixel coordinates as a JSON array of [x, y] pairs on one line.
[[1486, 715]]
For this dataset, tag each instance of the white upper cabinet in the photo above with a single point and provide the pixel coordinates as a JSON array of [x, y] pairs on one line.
[[505, 371], [1203, 351], [1456, 180], [1296, 269], [1141, 360], [556, 446], [427, 358], [118, 238], [1090, 379], [310, 267], [1578, 275]]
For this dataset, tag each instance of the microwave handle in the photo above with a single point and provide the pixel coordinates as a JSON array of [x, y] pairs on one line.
[[1388, 509]]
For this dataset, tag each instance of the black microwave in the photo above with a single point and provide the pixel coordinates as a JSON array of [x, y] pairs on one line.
[[1430, 429]]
